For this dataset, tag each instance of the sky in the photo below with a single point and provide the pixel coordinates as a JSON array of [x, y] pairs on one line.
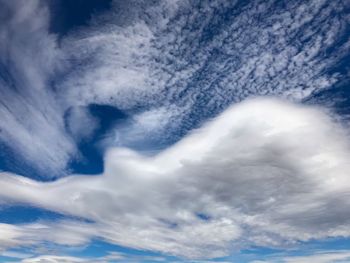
[[174, 131]]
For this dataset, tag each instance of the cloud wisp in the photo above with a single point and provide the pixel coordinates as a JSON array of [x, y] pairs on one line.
[[265, 172], [330, 256], [31, 119]]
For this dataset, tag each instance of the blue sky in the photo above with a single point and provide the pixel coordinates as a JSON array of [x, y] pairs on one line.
[[174, 131]]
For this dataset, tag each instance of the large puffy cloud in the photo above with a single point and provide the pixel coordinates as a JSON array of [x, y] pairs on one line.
[[264, 172]]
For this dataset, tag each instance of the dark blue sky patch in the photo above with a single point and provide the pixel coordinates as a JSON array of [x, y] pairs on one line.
[[203, 216], [69, 15], [108, 116], [90, 158], [26, 214], [336, 98]]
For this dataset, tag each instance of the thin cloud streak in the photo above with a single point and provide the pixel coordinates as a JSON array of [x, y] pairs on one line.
[[31, 120]]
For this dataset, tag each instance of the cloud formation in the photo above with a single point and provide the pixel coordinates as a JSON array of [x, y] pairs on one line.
[[31, 119], [318, 256], [335, 256], [196, 58], [265, 172], [184, 60]]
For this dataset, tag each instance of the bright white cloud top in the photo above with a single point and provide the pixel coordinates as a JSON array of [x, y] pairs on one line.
[[265, 172]]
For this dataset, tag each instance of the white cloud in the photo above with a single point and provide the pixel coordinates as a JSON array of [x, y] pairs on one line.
[[264, 172], [330, 257], [80, 123], [65, 233], [55, 259], [31, 120], [341, 256], [15, 254], [111, 257]]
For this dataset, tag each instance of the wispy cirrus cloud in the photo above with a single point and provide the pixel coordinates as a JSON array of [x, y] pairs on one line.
[[31, 120]]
